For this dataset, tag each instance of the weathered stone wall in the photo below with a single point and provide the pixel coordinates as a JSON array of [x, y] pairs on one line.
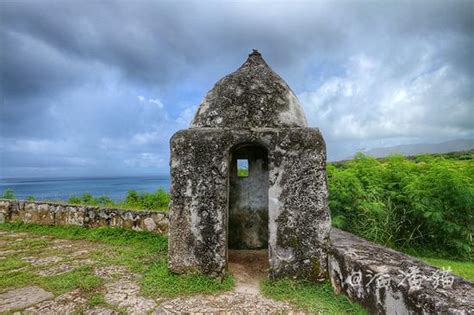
[[87, 216], [388, 282], [297, 195]]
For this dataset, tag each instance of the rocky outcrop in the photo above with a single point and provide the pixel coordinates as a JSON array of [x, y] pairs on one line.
[[50, 213]]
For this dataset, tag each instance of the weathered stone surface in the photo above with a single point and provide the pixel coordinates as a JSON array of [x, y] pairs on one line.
[[16, 208], [297, 195], [250, 108], [5, 211], [31, 212], [389, 282], [58, 269], [69, 215], [68, 303], [100, 311], [42, 261], [55, 270], [227, 303], [252, 97], [126, 294], [23, 297], [112, 271], [51, 213]]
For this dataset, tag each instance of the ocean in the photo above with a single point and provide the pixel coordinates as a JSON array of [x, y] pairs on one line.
[[62, 188]]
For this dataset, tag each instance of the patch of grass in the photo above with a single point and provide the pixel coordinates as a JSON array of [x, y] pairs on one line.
[[116, 236], [16, 279], [141, 252], [80, 278], [159, 281], [96, 299], [317, 298], [136, 259], [464, 269], [30, 244], [11, 263]]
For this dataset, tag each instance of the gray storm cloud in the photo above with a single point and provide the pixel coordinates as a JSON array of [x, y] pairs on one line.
[[72, 73]]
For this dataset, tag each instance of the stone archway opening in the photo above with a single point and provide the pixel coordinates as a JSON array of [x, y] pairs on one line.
[[247, 239]]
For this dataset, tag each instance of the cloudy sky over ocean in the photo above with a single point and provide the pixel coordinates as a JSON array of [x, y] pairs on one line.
[[96, 88]]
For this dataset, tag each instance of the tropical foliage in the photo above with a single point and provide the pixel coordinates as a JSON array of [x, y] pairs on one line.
[[425, 203], [157, 200]]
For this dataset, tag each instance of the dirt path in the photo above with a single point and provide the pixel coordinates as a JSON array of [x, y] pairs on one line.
[[249, 268], [44, 257]]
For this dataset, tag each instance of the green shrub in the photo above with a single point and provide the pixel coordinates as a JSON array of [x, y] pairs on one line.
[[158, 200], [103, 201], [425, 202], [85, 198], [8, 194]]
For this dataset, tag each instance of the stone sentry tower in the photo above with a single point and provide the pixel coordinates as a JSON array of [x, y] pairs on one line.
[[250, 117]]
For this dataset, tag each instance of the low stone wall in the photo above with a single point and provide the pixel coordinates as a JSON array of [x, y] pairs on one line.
[[87, 216], [388, 282]]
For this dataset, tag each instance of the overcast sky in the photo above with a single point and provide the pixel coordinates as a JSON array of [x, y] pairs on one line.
[[96, 88]]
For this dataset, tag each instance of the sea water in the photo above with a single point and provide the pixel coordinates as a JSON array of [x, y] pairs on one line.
[[62, 188]]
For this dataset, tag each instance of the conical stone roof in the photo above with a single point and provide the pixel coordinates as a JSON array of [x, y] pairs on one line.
[[252, 97]]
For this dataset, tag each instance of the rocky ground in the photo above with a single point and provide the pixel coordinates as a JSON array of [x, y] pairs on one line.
[[52, 264]]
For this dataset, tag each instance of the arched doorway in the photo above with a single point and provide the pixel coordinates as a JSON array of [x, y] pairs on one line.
[[248, 216], [248, 198]]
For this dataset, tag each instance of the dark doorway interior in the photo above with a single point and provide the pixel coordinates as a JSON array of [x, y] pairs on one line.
[[248, 198]]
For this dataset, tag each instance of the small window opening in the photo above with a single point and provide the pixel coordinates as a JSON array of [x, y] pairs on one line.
[[242, 168]]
